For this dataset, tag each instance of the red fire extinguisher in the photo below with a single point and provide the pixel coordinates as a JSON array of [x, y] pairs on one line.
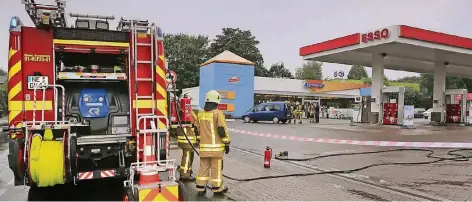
[[185, 110], [267, 157]]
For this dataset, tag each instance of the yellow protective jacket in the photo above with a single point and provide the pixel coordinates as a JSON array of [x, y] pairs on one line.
[[299, 108], [211, 144], [190, 131]]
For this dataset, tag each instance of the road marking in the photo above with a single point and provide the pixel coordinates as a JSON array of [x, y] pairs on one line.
[[360, 142], [2, 191]]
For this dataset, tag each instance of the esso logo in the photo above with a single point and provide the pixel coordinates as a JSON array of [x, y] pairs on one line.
[[377, 35]]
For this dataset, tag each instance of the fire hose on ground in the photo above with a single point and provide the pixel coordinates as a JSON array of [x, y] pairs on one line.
[[46, 160], [454, 155]]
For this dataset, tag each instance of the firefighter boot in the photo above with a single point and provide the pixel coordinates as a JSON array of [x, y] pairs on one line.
[[222, 191]]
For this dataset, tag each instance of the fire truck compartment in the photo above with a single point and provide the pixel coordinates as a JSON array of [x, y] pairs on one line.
[[111, 118], [106, 63]]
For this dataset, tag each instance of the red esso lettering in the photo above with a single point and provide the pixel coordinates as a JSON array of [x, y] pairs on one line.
[[377, 35], [385, 33]]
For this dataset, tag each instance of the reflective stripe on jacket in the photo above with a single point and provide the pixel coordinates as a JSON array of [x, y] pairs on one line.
[[211, 144], [182, 141]]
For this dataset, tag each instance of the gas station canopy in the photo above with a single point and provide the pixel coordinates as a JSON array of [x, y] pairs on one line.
[[404, 48]]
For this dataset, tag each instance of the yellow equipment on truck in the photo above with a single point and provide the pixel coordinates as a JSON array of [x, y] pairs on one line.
[[86, 102]]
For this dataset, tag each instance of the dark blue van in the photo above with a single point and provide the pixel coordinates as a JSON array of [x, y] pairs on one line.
[[270, 111]]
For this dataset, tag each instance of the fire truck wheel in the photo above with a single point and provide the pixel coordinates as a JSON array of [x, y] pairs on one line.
[[39, 193], [73, 157], [15, 159], [183, 193], [128, 194]]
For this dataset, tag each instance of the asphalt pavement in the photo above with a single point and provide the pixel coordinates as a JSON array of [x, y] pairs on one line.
[[438, 181]]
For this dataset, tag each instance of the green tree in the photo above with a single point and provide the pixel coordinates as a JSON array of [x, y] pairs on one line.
[[279, 70], [415, 97], [409, 79], [185, 53], [357, 72], [427, 83], [368, 80], [242, 43], [311, 70]]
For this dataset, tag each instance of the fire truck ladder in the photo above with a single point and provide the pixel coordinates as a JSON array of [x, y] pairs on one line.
[[46, 15], [137, 27]]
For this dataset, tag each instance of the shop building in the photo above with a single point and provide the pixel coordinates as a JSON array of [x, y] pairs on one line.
[[233, 76]]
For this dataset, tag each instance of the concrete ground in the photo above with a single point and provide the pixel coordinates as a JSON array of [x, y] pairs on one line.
[[439, 181]]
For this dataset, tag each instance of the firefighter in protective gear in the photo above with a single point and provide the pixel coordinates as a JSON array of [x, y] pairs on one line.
[[214, 140], [187, 151], [292, 111], [299, 112]]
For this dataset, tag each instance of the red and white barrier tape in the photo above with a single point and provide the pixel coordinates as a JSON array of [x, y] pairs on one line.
[[359, 142]]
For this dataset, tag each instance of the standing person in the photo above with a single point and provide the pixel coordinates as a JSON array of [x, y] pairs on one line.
[[299, 112], [214, 140], [317, 113], [294, 113], [311, 112], [185, 167]]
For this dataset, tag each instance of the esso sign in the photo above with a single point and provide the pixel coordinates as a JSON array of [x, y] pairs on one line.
[[372, 36]]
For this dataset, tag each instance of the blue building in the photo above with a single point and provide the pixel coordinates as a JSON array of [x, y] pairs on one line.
[[233, 77]]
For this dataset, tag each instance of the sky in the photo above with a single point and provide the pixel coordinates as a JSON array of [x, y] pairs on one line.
[[281, 26]]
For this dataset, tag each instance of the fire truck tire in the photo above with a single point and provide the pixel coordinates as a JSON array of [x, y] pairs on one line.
[[15, 160], [39, 193], [183, 193], [128, 194], [73, 158]]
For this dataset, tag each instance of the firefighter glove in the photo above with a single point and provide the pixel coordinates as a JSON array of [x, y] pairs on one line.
[[226, 148], [195, 129], [221, 132]]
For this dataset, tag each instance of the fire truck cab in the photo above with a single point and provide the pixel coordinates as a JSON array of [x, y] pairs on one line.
[[99, 94]]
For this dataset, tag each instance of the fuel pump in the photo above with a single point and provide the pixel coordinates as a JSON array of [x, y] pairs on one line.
[[392, 104], [456, 105]]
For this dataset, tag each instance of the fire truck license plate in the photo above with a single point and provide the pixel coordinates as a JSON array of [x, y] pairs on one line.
[[37, 81]]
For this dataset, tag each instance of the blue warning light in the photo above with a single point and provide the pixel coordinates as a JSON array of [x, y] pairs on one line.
[[159, 32], [14, 21]]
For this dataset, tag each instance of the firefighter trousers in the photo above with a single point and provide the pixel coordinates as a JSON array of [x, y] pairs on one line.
[[186, 163], [213, 166]]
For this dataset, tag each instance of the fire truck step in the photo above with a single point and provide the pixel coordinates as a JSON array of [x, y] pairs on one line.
[[144, 62], [144, 97], [143, 44], [144, 79]]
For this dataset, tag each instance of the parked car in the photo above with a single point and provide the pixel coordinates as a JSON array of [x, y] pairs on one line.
[[270, 111], [427, 113], [419, 112]]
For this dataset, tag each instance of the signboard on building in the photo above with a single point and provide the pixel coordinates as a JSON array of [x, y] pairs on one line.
[[226, 94], [314, 84], [234, 79], [375, 35]]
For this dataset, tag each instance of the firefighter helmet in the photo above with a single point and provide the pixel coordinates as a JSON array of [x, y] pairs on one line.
[[213, 96]]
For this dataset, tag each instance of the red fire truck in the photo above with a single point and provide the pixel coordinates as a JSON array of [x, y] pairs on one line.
[[87, 102]]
